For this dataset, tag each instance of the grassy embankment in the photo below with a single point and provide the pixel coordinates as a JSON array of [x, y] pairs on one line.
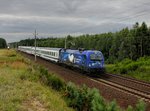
[[20, 89], [28, 86], [139, 69]]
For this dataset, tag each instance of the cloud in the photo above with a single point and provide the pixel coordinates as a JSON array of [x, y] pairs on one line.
[[19, 18]]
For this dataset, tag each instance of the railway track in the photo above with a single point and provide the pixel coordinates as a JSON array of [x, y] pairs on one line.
[[128, 90], [140, 89], [129, 79], [125, 90], [131, 83]]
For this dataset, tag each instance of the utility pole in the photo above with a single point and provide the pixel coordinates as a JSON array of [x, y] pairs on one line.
[[65, 42], [35, 34]]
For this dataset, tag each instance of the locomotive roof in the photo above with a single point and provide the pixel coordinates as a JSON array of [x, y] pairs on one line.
[[81, 52]]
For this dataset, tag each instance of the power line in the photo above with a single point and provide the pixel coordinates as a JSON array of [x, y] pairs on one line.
[[137, 14]]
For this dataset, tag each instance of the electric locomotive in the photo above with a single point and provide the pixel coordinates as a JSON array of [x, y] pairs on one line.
[[86, 60]]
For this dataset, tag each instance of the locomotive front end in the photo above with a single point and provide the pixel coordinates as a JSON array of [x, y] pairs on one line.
[[95, 61]]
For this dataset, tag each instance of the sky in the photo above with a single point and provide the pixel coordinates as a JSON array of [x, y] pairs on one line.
[[58, 18]]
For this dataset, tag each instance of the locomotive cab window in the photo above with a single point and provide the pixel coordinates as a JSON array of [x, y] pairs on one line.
[[96, 57]]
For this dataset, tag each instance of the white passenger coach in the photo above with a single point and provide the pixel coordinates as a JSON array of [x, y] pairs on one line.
[[44, 52]]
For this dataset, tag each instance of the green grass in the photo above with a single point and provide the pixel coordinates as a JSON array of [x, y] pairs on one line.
[[139, 69], [25, 85], [21, 90]]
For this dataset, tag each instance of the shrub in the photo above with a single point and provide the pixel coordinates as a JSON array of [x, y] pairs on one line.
[[55, 82], [123, 70], [83, 98], [127, 66], [77, 97], [112, 106], [130, 108], [72, 95], [50, 79], [86, 99], [132, 66], [43, 71], [96, 101], [126, 61], [141, 106]]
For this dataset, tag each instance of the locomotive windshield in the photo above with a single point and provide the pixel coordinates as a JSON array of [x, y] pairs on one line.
[[96, 57]]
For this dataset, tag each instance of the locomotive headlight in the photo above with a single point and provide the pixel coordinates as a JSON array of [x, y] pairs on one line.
[[93, 64], [90, 65], [99, 63]]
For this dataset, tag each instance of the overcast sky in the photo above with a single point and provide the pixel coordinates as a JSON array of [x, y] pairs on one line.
[[19, 18]]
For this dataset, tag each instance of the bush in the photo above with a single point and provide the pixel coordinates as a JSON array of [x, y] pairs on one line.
[[127, 65], [72, 95], [43, 71], [96, 101], [130, 108], [81, 98], [55, 82], [126, 61], [51, 79], [112, 106], [123, 70], [111, 60], [141, 106], [86, 99]]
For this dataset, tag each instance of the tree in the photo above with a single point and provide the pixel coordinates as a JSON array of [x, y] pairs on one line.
[[127, 43], [3, 43]]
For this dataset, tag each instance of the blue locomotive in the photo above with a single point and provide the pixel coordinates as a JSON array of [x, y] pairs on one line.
[[86, 60]]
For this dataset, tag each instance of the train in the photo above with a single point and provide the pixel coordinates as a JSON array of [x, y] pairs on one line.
[[85, 60]]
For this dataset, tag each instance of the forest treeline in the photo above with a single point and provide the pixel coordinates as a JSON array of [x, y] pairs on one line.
[[128, 43], [3, 43]]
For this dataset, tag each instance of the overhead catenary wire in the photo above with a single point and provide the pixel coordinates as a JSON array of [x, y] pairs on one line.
[[137, 13]]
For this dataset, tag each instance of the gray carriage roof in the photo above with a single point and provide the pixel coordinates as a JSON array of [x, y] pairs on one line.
[[49, 48]]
